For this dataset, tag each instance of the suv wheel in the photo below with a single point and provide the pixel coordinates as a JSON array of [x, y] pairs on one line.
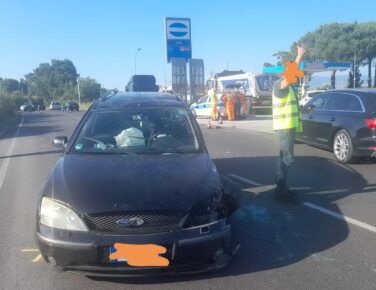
[[343, 148]]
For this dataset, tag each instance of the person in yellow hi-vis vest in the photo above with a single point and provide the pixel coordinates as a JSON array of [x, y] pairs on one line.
[[286, 123], [213, 104]]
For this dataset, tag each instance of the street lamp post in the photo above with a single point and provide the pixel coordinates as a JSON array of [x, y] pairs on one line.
[[78, 89], [135, 60]]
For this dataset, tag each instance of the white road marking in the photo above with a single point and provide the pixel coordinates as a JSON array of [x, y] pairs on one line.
[[316, 207], [5, 164], [251, 182], [37, 258], [341, 217]]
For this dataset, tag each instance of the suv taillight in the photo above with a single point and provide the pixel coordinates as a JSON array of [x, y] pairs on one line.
[[371, 123]]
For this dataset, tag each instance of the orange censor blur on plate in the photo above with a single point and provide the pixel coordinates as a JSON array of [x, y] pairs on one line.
[[140, 255]]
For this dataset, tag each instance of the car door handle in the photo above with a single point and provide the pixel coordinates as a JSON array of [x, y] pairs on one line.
[[310, 117], [332, 119]]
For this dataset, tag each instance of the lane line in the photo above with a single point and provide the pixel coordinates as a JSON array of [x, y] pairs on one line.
[[37, 258], [29, 250], [318, 208], [251, 182], [5, 164], [341, 217]]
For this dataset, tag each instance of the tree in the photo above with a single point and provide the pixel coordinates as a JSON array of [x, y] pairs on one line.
[[358, 82], [331, 42], [53, 81], [267, 64], [283, 56], [90, 89], [365, 43], [9, 85]]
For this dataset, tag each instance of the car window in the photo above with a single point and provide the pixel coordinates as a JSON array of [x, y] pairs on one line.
[[318, 102], [353, 104], [144, 131], [313, 94], [371, 102], [202, 100], [337, 102]]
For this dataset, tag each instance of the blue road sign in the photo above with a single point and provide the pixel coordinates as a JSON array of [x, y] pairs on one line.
[[178, 38]]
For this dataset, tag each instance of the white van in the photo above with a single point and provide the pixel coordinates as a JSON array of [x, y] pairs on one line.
[[258, 87]]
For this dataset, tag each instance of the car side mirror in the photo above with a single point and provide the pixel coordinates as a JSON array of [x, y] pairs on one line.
[[308, 108], [60, 141]]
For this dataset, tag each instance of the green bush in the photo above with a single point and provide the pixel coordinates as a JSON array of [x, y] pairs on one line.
[[7, 106]]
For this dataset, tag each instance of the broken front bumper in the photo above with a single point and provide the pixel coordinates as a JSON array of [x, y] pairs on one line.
[[197, 249]]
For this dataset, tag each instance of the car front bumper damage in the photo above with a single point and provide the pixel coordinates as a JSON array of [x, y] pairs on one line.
[[197, 249]]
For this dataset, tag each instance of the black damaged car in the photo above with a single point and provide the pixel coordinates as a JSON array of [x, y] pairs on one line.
[[136, 173]]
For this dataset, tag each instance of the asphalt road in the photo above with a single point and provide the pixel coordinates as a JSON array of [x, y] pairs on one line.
[[327, 241]]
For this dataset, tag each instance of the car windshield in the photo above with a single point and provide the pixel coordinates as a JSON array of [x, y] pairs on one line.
[[145, 131], [265, 82]]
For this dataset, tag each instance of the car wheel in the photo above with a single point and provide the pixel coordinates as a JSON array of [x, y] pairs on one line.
[[343, 148]]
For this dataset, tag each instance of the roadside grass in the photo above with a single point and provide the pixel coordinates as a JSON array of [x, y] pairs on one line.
[[85, 106]]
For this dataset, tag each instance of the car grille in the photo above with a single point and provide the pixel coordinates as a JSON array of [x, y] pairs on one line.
[[152, 221]]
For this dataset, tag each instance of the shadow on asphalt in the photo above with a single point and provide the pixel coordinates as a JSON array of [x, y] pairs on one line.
[[275, 235], [33, 154], [33, 125]]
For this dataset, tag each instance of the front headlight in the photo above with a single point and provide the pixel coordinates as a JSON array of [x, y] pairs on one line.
[[56, 215]]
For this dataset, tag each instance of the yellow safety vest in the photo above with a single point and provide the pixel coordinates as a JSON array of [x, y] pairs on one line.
[[286, 113]]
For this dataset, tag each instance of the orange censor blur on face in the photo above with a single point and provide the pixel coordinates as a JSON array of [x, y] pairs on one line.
[[141, 255], [292, 72]]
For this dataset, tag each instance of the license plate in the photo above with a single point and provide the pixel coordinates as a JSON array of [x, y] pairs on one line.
[[113, 250], [139, 255]]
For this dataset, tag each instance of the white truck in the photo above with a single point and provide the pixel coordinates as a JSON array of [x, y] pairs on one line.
[[257, 87]]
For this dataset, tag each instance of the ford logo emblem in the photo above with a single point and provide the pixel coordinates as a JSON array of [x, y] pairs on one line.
[[132, 222]]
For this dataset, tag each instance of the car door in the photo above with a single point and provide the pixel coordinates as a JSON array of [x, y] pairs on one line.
[[199, 108], [206, 107], [333, 117], [311, 113]]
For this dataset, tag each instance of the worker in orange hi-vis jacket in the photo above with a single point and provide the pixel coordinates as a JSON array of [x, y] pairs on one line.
[[243, 103], [229, 101]]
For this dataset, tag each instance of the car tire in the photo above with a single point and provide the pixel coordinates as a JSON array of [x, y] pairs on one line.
[[343, 148]]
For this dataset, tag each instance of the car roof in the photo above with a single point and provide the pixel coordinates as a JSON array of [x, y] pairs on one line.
[[358, 91], [138, 100]]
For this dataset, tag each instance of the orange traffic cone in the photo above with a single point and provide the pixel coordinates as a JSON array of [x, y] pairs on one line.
[[209, 124]]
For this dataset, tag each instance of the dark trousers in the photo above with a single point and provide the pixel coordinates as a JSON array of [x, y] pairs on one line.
[[237, 110], [286, 158]]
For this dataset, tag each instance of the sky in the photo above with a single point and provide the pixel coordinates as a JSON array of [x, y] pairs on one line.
[[101, 37]]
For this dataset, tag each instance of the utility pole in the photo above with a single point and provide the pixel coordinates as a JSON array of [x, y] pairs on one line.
[[78, 89], [135, 60], [354, 70]]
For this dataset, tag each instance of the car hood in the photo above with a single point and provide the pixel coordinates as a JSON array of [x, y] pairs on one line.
[[107, 183]]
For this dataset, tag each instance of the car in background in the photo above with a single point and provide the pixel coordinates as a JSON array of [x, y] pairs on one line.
[[202, 108], [41, 107], [122, 182], [142, 83], [343, 121], [27, 107], [308, 95], [55, 106], [71, 106]]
